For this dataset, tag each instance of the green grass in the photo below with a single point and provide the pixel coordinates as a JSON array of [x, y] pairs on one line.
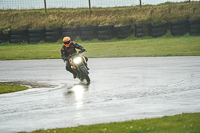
[[183, 123], [130, 47], [8, 88]]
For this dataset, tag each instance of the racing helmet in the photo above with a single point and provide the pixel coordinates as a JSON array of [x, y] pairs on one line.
[[67, 41]]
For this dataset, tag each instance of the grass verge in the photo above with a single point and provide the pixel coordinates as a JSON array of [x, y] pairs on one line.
[[7, 88], [129, 47], [38, 19], [183, 123]]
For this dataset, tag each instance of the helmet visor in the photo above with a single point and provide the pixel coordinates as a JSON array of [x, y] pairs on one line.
[[66, 42]]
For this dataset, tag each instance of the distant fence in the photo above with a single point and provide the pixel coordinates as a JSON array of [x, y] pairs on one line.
[[45, 4]]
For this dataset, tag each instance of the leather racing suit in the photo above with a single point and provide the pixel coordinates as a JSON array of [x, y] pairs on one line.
[[66, 52]]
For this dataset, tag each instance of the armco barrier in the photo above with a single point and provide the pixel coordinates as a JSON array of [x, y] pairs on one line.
[[72, 32], [142, 30], [139, 30], [35, 35], [4, 37], [194, 27], [122, 32], [52, 35], [87, 33], [159, 29], [105, 32], [179, 28], [18, 36]]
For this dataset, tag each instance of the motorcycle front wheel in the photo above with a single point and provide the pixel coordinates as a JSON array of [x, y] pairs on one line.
[[85, 74]]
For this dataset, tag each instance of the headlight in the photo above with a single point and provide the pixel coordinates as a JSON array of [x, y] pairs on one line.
[[77, 60]]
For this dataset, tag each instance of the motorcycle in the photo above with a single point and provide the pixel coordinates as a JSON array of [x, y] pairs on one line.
[[79, 65]]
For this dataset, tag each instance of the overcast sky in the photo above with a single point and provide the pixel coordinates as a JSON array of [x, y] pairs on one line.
[[35, 4]]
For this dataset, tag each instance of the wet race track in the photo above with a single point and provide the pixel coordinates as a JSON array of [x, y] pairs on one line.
[[121, 89]]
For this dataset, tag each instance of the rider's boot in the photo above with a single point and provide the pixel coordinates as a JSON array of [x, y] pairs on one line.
[[86, 58], [87, 67], [74, 73]]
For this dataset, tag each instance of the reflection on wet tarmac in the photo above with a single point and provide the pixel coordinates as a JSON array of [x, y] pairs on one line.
[[78, 90], [123, 89]]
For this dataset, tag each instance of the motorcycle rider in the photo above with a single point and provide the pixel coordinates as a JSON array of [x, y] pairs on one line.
[[67, 50]]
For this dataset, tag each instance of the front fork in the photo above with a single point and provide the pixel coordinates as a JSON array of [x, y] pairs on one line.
[[77, 71]]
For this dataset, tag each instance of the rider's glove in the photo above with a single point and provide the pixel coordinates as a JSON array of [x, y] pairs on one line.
[[83, 50]]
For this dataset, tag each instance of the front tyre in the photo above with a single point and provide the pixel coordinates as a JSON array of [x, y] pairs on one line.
[[85, 74]]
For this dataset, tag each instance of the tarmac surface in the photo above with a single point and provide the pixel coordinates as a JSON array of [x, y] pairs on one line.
[[121, 89]]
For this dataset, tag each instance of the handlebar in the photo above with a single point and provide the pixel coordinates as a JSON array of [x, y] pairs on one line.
[[79, 52]]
